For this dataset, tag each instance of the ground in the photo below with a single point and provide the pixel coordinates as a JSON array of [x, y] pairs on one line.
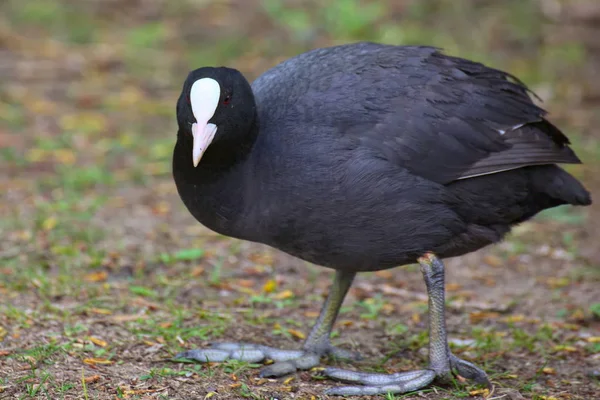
[[104, 276]]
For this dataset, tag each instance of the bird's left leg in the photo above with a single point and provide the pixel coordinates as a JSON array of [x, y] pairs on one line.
[[441, 361], [288, 361]]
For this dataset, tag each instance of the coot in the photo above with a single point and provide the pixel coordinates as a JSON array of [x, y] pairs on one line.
[[363, 157]]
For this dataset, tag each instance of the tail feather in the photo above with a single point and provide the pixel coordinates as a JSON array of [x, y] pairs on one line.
[[558, 185]]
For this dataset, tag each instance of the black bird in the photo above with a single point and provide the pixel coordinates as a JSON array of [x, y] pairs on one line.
[[364, 157]]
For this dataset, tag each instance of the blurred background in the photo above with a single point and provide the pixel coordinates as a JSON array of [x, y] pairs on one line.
[[103, 271]]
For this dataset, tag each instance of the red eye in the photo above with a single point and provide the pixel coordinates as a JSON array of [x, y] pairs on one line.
[[227, 99]]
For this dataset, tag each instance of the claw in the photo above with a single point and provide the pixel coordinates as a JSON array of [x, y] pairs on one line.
[[286, 361], [470, 371]]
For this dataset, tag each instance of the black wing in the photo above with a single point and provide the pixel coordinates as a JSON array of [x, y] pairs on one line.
[[451, 118]]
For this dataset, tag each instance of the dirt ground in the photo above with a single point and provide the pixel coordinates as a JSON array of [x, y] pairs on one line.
[[104, 276]]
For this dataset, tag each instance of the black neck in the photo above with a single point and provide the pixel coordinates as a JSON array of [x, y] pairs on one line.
[[214, 190]]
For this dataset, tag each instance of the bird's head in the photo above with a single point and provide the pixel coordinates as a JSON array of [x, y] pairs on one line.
[[215, 106]]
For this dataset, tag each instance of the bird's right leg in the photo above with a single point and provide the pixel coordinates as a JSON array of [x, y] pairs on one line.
[[288, 361], [442, 363]]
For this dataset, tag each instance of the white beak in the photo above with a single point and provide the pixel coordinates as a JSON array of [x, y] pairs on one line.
[[204, 98], [203, 136]]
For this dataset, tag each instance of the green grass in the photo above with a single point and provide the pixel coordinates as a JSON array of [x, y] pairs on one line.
[[96, 244]]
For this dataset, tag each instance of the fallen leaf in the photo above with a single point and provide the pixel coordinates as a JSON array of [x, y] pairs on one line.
[[94, 361], [65, 156], [102, 311], [161, 208], [99, 276], [416, 318], [477, 316], [556, 283], [41, 106], [297, 334], [578, 315], [92, 379], [288, 380], [548, 371], [269, 286], [286, 294], [36, 155], [386, 274], [98, 342], [311, 314], [480, 392], [262, 258], [246, 283], [514, 318], [49, 223], [593, 339], [493, 261], [453, 287], [565, 348]]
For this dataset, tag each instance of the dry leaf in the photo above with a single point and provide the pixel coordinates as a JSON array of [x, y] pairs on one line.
[[286, 294], [269, 286], [288, 380], [99, 276], [92, 379], [102, 311], [126, 318], [548, 371], [246, 283], [514, 318], [477, 316], [453, 287], [162, 208], [98, 342], [416, 318], [49, 223], [297, 334], [65, 156], [480, 392], [568, 349], [386, 274], [311, 314], [493, 261], [94, 361]]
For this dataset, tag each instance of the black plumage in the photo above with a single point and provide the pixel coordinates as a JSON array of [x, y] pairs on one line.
[[356, 156], [365, 156]]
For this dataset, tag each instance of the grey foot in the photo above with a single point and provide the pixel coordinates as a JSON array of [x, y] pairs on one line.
[[286, 361], [402, 382]]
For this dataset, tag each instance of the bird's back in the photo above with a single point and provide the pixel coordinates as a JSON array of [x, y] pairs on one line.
[[441, 117], [370, 155]]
